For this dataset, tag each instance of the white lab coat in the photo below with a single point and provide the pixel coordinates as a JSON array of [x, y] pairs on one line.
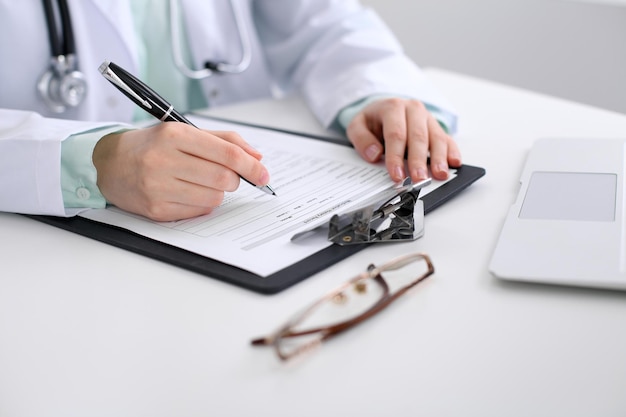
[[334, 52]]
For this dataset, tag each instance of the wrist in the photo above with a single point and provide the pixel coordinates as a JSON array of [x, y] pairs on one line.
[[78, 173]]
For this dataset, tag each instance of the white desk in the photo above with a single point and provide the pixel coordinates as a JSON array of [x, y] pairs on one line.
[[118, 334]]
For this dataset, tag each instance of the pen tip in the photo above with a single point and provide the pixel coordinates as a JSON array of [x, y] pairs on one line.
[[269, 190]]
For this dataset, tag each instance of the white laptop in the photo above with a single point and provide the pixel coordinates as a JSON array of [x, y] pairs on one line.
[[567, 223]]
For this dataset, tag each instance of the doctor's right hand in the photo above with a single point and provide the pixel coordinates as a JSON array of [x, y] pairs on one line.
[[173, 171]]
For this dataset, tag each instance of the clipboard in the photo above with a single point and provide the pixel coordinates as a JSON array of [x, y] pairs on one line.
[[271, 284]]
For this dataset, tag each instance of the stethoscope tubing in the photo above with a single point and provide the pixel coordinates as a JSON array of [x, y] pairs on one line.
[[64, 46], [210, 67]]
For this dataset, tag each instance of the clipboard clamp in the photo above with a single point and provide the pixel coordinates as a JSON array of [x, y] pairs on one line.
[[393, 215]]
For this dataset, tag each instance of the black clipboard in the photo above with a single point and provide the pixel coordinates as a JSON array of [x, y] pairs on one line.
[[271, 284]]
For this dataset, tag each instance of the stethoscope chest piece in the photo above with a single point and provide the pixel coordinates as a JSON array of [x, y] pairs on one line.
[[62, 85]]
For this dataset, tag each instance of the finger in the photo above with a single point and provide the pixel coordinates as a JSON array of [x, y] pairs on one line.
[[365, 142], [173, 211], [163, 198], [170, 159], [185, 193], [202, 172], [174, 200], [176, 211], [235, 138], [248, 167], [454, 153], [205, 145], [418, 142], [394, 121], [438, 149]]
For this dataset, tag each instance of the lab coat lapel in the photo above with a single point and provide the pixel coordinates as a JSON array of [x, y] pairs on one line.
[[118, 13]]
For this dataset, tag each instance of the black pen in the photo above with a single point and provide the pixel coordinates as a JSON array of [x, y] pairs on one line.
[[150, 101]]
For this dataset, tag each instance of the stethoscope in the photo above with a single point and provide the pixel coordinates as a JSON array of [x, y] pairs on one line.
[[63, 86], [211, 67]]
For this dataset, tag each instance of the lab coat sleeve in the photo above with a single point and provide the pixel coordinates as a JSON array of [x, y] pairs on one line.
[[337, 53], [30, 167]]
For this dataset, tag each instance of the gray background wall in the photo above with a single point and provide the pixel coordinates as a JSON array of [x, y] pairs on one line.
[[571, 49]]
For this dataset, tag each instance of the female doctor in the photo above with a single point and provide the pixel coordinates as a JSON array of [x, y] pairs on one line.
[[64, 140]]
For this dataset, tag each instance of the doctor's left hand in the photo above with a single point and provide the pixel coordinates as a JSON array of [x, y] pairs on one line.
[[397, 127], [173, 171]]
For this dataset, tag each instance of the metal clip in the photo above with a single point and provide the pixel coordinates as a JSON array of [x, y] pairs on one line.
[[391, 216]]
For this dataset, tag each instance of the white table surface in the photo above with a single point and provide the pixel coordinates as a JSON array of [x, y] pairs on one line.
[[88, 329]]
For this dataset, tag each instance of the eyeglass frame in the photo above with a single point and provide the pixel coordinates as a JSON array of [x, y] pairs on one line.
[[372, 272]]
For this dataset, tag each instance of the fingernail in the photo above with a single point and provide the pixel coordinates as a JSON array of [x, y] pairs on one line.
[[421, 174], [265, 177], [442, 169], [418, 174], [372, 153], [398, 173]]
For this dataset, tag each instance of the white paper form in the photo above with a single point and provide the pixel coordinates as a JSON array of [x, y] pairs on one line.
[[313, 180]]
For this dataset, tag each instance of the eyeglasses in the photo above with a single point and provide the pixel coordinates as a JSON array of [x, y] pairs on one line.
[[348, 305]]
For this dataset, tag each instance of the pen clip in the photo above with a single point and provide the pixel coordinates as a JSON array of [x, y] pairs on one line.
[[108, 73]]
